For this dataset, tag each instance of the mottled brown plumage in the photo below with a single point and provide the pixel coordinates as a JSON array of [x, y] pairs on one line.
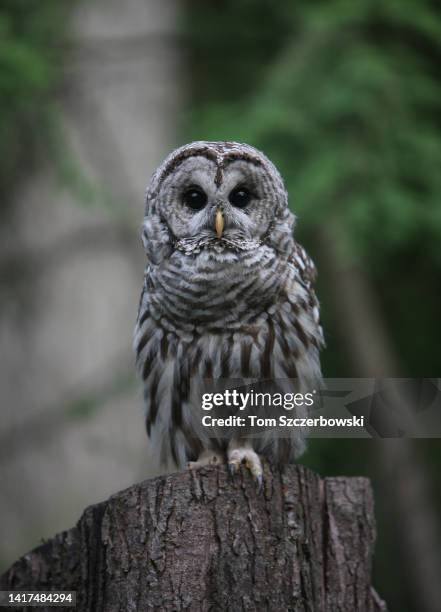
[[227, 293]]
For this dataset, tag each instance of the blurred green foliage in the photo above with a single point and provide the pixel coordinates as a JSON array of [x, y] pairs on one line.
[[345, 98], [31, 43]]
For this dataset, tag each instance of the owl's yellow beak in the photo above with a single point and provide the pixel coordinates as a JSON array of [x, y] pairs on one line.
[[219, 223]]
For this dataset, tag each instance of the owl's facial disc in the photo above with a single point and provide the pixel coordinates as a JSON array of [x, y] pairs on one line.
[[234, 211]]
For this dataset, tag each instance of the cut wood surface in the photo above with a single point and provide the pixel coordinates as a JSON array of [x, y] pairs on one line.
[[203, 540]]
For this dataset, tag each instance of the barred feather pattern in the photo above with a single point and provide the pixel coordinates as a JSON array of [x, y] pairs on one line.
[[241, 306]]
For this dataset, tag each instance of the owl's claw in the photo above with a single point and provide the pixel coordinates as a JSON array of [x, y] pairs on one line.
[[259, 483], [233, 467], [207, 457], [251, 460]]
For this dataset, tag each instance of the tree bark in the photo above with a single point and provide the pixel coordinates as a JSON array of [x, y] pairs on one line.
[[202, 540]]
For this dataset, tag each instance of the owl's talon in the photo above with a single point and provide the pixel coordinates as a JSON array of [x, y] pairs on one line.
[[259, 483], [247, 456], [207, 457], [233, 467]]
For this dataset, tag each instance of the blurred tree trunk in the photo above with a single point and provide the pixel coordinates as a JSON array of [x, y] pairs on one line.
[[199, 541], [368, 349]]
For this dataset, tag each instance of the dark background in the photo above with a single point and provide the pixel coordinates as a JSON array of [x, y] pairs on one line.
[[345, 98]]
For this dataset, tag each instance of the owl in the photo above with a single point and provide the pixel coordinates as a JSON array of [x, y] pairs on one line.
[[228, 294]]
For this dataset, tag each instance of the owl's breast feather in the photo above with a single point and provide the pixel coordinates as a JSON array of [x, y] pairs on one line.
[[216, 291]]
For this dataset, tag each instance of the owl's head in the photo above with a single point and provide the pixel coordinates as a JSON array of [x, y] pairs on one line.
[[219, 196]]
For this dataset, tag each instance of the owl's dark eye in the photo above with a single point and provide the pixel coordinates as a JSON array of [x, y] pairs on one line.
[[239, 197], [194, 198]]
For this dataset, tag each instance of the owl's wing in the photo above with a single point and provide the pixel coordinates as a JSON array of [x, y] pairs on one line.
[[306, 275], [141, 304], [304, 265]]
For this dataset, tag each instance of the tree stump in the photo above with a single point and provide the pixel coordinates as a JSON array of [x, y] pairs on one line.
[[203, 540]]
